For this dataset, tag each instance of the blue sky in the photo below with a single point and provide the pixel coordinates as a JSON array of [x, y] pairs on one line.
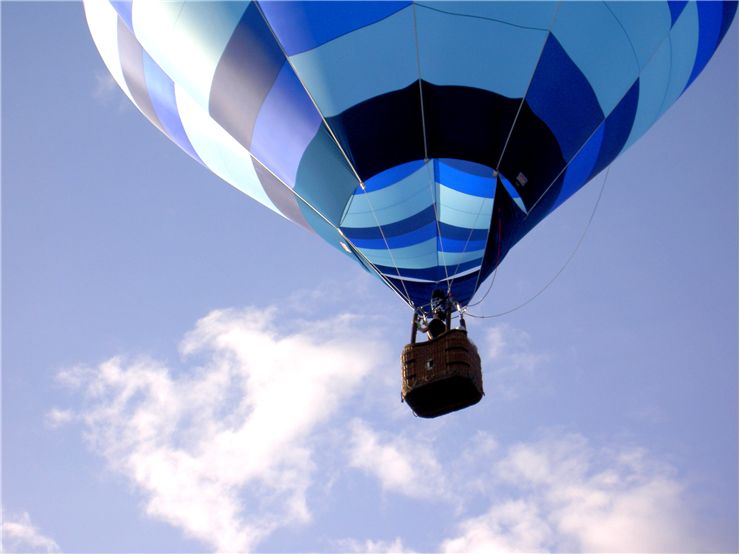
[[182, 370]]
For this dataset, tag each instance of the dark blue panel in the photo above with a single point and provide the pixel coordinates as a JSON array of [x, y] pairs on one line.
[[460, 240], [408, 225], [710, 24], [468, 167], [464, 288], [420, 293], [162, 94], [562, 97], [382, 132], [390, 176], [505, 230], [461, 123], [446, 244], [462, 233], [728, 14], [124, 11], [466, 123], [676, 7], [435, 273], [301, 26], [244, 75], [617, 128], [424, 233]]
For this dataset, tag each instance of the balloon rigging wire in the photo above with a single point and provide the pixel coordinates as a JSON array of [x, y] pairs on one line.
[[560, 271], [495, 271], [382, 276], [429, 163], [508, 138]]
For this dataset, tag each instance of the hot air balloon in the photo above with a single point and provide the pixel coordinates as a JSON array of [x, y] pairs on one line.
[[420, 139]]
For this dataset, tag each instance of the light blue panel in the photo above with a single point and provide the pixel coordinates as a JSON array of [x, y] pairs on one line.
[[218, 150], [392, 175], [684, 40], [455, 202], [474, 52], [162, 95], [653, 85], [409, 185], [531, 15], [325, 179], [186, 39], [421, 255], [327, 232], [360, 65], [458, 258], [513, 193], [466, 177], [646, 24], [302, 25], [362, 214], [409, 196], [599, 48], [102, 20], [461, 210]]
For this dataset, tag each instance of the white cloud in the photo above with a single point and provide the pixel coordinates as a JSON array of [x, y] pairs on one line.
[[57, 418], [561, 494], [401, 464], [105, 86], [21, 536], [513, 526], [373, 546], [513, 365], [224, 450], [229, 446]]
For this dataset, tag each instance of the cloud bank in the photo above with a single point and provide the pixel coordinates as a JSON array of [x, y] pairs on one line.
[[228, 444], [223, 450], [561, 494]]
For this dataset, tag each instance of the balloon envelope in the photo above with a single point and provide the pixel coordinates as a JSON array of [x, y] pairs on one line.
[[422, 139]]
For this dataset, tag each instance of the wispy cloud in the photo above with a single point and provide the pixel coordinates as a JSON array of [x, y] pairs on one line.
[[21, 536], [515, 365], [222, 448], [562, 494], [401, 464], [106, 92], [373, 546], [56, 418], [105, 89]]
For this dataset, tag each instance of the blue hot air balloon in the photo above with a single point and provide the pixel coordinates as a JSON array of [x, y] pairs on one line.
[[422, 139]]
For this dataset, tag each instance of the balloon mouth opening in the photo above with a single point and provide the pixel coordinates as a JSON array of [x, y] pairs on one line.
[[424, 224]]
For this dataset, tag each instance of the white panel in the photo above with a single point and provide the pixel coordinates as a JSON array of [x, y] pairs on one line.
[[220, 152], [102, 20]]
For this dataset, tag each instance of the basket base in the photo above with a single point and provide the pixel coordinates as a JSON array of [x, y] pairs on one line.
[[443, 396]]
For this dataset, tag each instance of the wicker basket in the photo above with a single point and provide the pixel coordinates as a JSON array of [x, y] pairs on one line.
[[442, 375]]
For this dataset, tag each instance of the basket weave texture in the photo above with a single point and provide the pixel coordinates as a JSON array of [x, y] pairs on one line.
[[431, 372]]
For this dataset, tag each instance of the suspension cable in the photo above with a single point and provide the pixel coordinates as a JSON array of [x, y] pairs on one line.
[[560, 271]]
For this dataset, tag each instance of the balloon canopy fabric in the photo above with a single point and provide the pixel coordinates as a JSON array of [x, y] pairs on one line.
[[422, 139]]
